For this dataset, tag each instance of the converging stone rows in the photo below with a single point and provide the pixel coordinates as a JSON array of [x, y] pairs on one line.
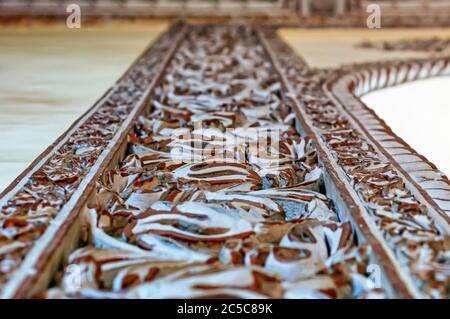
[[420, 247], [219, 195], [26, 215], [192, 177]]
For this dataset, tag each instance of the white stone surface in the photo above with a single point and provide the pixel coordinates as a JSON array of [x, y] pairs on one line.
[[418, 112]]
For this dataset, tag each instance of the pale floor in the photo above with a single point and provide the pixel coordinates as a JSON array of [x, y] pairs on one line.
[[50, 75]]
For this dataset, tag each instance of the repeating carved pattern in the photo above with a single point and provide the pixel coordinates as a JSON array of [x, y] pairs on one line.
[[179, 219], [417, 242], [26, 212], [219, 195], [361, 79]]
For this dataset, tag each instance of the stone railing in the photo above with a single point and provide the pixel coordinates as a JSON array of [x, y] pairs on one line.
[[356, 81]]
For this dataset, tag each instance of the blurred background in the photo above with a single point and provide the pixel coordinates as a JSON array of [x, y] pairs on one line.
[[319, 12], [50, 74]]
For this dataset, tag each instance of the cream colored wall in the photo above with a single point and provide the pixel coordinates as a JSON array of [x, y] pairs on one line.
[[425, 127], [333, 47], [50, 75]]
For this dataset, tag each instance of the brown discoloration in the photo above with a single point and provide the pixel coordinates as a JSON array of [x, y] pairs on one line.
[[244, 245], [369, 76], [166, 50]]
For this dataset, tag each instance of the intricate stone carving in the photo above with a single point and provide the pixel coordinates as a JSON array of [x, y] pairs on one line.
[[285, 189], [419, 245], [28, 209]]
